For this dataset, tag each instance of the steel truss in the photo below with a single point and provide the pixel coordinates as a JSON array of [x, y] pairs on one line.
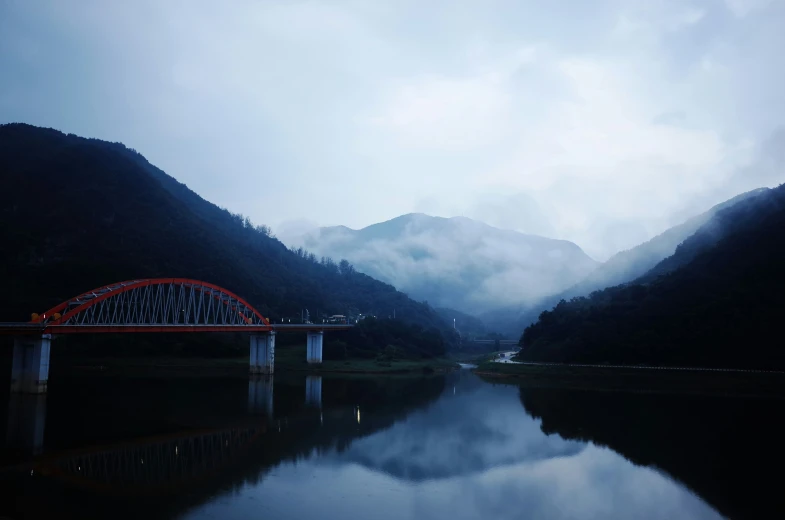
[[160, 304]]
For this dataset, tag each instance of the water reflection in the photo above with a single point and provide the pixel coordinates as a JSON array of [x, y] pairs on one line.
[[313, 391], [727, 449], [470, 429], [152, 465], [448, 446], [161, 447], [473, 453], [26, 421], [260, 395]]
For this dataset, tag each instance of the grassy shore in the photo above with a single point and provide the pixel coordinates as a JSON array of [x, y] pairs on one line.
[[293, 358], [287, 359], [636, 379]]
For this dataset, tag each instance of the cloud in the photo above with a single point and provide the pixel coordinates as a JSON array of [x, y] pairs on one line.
[[457, 263], [614, 117], [518, 211], [445, 112], [670, 118], [743, 8], [454, 112]]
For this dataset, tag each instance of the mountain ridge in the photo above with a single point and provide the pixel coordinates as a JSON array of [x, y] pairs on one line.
[[625, 266], [455, 262], [715, 304], [79, 213]]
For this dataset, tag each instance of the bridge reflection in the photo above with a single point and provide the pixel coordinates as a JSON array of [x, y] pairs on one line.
[[153, 463], [218, 447], [313, 391], [260, 395], [26, 421]]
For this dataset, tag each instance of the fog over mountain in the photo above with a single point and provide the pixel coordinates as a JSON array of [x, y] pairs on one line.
[[621, 268], [455, 262], [602, 123], [628, 265], [713, 303]]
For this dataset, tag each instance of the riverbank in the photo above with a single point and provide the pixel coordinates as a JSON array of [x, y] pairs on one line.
[[287, 359], [633, 378], [293, 359]]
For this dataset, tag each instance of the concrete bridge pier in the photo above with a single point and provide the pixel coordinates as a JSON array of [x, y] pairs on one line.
[[30, 366], [260, 395], [314, 346], [313, 391], [262, 353], [26, 420]]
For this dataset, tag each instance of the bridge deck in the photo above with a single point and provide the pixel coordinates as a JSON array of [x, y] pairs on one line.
[[24, 328]]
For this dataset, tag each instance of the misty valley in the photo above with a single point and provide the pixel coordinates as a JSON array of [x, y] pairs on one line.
[[472, 370], [392, 260]]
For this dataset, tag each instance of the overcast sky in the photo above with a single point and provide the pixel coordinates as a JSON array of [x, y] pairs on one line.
[[602, 122]]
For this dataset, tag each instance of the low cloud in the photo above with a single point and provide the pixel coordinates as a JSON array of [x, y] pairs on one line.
[[457, 262]]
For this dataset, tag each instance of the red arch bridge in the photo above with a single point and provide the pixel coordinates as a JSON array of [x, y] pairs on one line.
[[150, 305]]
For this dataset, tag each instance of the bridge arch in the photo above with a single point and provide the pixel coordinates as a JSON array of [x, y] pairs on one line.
[[154, 305]]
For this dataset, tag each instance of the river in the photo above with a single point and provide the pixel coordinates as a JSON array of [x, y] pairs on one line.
[[439, 447]]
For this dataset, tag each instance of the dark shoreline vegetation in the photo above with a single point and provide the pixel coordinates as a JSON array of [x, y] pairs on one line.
[[632, 379], [289, 360]]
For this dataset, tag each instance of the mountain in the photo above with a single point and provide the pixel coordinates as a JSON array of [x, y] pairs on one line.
[[621, 268], [715, 302], [467, 326], [79, 213], [628, 265], [456, 262]]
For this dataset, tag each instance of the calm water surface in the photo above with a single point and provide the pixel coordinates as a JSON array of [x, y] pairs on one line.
[[439, 447]]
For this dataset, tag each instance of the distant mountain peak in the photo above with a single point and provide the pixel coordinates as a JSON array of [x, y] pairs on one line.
[[456, 261]]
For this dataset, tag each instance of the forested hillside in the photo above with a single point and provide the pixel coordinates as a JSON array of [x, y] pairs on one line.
[[79, 213], [621, 268], [716, 302]]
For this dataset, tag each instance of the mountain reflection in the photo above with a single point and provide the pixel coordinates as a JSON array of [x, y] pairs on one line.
[[473, 427], [424, 448], [728, 450]]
